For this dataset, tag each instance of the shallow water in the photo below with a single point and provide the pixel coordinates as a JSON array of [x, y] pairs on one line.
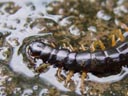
[[19, 25]]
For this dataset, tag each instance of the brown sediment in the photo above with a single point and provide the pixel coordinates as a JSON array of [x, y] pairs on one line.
[[83, 18]]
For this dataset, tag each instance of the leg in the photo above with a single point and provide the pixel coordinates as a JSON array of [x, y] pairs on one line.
[[82, 85], [92, 47], [124, 26], [59, 76], [120, 35], [68, 78], [42, 68], [82, 47], [113, 41], [101, 45]]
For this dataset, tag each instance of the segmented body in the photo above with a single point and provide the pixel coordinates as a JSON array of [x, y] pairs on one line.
[[104, 61], [90, 39]]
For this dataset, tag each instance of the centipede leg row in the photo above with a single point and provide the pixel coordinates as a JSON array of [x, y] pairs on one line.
[[99, 62]]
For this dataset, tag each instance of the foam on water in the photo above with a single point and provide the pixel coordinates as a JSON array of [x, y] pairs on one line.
[[21, 30]]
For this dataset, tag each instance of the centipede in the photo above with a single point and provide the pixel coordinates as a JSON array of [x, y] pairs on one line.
[[97, 62], [97, 59]]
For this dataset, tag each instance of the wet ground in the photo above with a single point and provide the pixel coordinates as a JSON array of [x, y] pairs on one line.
[[22, 22]]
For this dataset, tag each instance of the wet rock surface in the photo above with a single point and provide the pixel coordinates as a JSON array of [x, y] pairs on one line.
[[25, 21]]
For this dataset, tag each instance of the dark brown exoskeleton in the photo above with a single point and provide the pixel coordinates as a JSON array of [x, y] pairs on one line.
[[108, 61]]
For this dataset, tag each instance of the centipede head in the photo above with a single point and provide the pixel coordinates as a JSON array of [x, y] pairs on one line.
[[35, 49]]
